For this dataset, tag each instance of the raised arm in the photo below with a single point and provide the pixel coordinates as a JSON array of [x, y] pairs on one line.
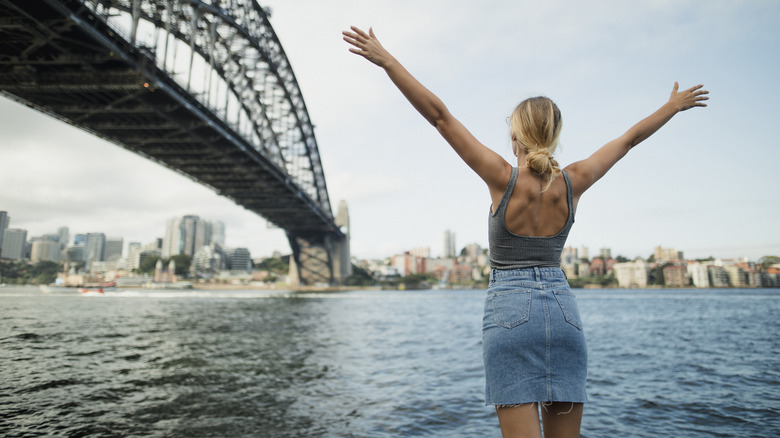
[[586, 172], [493, 169]]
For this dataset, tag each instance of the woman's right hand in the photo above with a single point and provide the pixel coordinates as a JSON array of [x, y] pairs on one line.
[[367, 46], [687, 99]]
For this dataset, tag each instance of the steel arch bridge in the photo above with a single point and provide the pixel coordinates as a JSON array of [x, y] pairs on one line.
[[202, 87]]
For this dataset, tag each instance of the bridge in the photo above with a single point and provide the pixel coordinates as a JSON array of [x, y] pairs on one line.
[[202, 87]]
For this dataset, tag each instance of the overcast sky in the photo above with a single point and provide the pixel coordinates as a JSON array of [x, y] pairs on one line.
[[706, 184]]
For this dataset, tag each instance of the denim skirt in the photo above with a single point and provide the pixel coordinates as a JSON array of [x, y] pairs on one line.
[[533, 345]]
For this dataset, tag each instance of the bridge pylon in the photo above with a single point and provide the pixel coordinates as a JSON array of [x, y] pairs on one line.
[[321, 259]]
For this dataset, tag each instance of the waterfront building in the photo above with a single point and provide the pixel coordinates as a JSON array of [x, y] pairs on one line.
[[186, 235], [421, 251], [569, 261], [14, 244], [4, 221], [44, 250], [718, 276], [133, 260], [632, 274], [667, 254], [114, 248], [96, 248], [210, 259], [77, 253], [736, 274], [217, 233], [407, 264], [583, 269], [80, 239], [597, 267], [699, 274], [447, 244], [173, 241], [584, 252], [239, 259], [439, 267], [63, 235], [675, 276]]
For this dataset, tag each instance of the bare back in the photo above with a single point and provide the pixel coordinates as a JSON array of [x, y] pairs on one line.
[[531, 212]]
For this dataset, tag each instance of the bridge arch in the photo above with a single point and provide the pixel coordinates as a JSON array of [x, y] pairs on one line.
[[201, 86]]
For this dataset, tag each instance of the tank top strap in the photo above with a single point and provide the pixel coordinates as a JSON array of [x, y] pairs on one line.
[[569, 194], [510, 187]]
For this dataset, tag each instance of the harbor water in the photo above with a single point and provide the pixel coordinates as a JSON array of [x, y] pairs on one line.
[[676, 363]]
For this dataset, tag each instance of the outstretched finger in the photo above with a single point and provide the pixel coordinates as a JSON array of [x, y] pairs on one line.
[[359, 32], [694, 88]]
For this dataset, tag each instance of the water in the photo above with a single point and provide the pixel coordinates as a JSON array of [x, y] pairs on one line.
[[369, 364]]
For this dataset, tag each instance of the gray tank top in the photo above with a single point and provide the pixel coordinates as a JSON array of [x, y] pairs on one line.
[[511, 251]]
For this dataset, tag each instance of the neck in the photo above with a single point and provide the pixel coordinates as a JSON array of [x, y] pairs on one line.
[[521, 159]]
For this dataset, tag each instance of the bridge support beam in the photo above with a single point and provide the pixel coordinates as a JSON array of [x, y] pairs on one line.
[[318, 260]]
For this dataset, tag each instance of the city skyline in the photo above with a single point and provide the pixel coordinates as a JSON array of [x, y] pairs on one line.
[[447, 242], [705, 183]]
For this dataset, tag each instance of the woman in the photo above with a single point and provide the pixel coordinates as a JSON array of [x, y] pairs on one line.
[[533, 345]]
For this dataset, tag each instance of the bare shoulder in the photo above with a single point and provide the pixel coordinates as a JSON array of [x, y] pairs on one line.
[[578, 174]]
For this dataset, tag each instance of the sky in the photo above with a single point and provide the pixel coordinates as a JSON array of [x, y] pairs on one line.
[[705, 184]]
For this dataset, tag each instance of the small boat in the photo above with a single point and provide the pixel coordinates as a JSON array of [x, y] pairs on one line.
[[91, 291]]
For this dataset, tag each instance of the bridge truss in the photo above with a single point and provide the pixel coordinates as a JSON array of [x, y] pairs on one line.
[[200, 86]]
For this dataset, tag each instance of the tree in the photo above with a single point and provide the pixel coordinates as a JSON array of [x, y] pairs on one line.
[[767, 261], [183, 262], [359, 277], [147, 266]]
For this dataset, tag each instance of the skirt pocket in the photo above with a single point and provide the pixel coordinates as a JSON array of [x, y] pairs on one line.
[[510, 309], [568, 303]]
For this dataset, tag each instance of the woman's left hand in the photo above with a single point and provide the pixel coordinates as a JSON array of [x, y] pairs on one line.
[[367, 46]]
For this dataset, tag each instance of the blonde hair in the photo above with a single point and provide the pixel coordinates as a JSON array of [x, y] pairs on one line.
[[535, 127]]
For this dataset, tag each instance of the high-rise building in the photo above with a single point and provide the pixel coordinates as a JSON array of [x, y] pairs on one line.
[[667, 254], [447, 244], [605, 253], [80, 239], [195, 234], [584, 253], [188, 234], [632, 274], [4, 220], [64, 236], [133, 260], [239, 259], [114, 248], [343, 266], [173, 241], [44, 250], [14, 244], [217, 233], [95, 248]]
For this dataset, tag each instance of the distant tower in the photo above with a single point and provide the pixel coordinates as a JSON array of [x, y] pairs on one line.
[[173, 241], [447, 244], [64, 236], [4, 220], [96, 248], [217, 233], [14, 243], [114, 248], [343, 263]]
